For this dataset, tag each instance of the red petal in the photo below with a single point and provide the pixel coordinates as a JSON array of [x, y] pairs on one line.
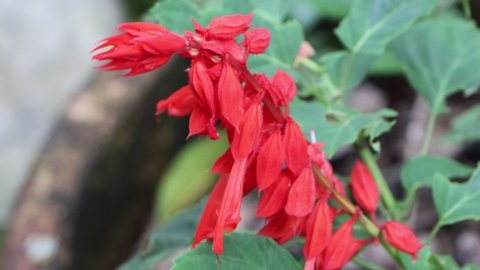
[[180, 103], [401, 237], [295, 147], [161, 43], [341, 247], [229, 214], [136, 28], [231, 96], [274, 198], [207, 223], [257, 40], [282, 227], [364, 189], [198, 122], [245, 141], [224, 163], [301, 197], [319, 230], [269, 160], [230, 26], [203, 86]]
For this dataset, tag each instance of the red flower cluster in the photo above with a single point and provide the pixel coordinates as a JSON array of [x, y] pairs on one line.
[[267, 148]]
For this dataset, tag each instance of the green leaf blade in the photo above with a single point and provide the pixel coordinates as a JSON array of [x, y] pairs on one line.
[[440, 57], [242, 251], [372, 24], [457, 202]]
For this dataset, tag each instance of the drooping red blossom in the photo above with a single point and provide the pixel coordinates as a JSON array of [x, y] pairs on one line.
[[275, 196], [180, 103], [318, 230], [302, 194], [401, 237], [341, 247], [364, 189], [269, 160]]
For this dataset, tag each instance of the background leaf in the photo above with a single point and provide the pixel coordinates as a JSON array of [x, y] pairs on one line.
[[167, 239], [420, 171], [188, 178], [372, 24], [242, 251], [440, 57], [457, 202], [332, 9], [466, 127], [336, 125]]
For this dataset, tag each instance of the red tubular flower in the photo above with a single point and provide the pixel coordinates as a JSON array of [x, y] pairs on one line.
[[269, 160], [257, 40], [302, 195], [282, 227], [274, 198], [180, 103], [231, 96], [401, 237], [296, 155], [341, 247], [138, 49], [318, 230], [364, 189], [246, 140]]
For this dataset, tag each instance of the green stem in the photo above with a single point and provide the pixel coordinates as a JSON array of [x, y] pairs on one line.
[[432, 118], [434, 232], [466, 9], [386, 195]]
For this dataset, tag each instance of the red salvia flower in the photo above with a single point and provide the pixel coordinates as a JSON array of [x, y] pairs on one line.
[[401, 237], [318, 230], [302, 195], [138, 48], [274, 197], [295, 145], [364, 189], [231, 96], [228, 27], [180, 103], [269, 160]]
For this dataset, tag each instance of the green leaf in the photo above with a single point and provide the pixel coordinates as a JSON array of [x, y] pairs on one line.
[[190, 168], [372, 24], [338, 126], [441, 262], [345, 69], [385, 65], [465, 127], [420, 264], [420, 171], [440, 57], [167, 239], [457, 202], [284, 45], [242, 251], [333, 9], [175, 15]]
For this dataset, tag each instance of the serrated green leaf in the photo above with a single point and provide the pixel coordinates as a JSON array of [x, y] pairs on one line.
[[457, 202], [284, 45], [420, 171], [345, 69], [440, 57], [372, 24], [242, 251], [466, 127], [337, 126], [190, 168], [165, 240]]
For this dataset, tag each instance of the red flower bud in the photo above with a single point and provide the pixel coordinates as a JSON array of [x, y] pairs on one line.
[[257, 40], [364, 189], [401, 237]]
